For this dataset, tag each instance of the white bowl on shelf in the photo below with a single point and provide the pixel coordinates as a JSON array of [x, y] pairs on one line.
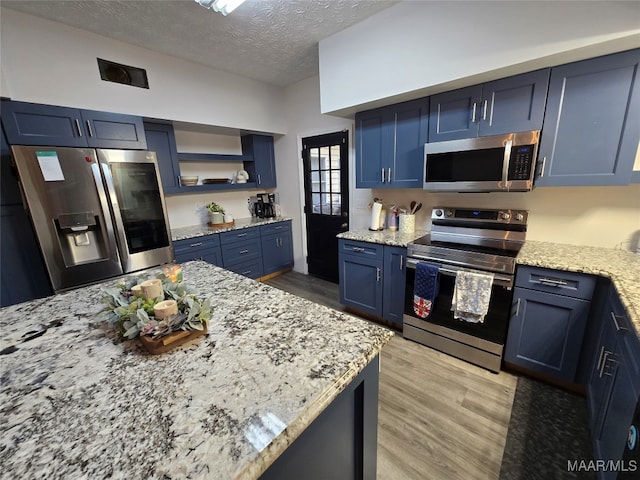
[[188, 181]]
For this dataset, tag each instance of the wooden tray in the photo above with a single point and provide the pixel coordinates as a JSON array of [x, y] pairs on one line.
[[221, 225], [163, 344]]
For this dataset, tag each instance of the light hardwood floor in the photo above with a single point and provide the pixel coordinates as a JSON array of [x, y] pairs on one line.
[[439, 417]]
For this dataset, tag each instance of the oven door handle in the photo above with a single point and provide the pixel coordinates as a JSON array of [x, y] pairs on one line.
[[500, 280]]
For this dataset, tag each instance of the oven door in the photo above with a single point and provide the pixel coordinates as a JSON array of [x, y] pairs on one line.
[[441, 322]]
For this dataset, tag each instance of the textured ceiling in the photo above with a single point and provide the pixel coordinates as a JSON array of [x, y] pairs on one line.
[[274, 41]]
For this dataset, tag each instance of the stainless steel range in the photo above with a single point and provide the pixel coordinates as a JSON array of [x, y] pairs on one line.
[[470, 240]]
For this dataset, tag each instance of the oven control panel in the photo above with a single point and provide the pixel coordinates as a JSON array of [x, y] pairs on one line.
[[446, 214]]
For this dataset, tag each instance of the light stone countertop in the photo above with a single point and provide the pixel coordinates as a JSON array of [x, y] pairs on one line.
[[78, 402], [621, 266], [183, 233], [384, 237]]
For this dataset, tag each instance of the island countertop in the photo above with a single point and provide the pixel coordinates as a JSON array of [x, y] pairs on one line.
[[78, 402]]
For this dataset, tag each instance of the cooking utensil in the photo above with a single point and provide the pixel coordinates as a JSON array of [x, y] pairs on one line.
[[412, 206], [417, 208]]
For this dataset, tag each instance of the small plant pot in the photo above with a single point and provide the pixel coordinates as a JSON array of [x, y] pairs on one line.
[[216, 217]]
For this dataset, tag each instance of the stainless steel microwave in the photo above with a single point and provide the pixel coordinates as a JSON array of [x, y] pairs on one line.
[[499, 163]]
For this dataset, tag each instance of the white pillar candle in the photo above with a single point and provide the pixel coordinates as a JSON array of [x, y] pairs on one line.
[[152, 288], [165, 309]]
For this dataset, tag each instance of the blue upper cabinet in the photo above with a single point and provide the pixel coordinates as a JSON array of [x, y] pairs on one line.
[[592, 122], [113, 130], [390, 144], [262, 170], [513, 104], [48, 125], [161, 139]]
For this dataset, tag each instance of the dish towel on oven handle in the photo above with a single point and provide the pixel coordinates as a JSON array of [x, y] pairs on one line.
[[425, 288], [471, 296]]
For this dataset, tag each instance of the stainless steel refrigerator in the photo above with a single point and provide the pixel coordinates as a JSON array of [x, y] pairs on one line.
[[97, 213]]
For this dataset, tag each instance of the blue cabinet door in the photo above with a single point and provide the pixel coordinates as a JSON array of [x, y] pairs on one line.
[[262, 170], [374, 132], [212, 255], [34, 124], [592, 122], [9, 188], [454, 115], [277, 249], [545, 333], [113, 130], [23, 274], [161, 139], [514, 104], [361, 283], [394, 283], [410, 132], [619, 407]]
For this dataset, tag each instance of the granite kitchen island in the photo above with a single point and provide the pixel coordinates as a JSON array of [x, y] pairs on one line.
[[79, 402]]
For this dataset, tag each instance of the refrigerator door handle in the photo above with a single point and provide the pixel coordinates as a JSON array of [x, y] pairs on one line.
[[115, 213]]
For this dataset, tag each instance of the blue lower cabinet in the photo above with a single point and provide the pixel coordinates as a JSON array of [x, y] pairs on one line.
[[252, 268], [372, 278], [277, 253], [395, 271], [546, 332], [361, 283], [205, 248]]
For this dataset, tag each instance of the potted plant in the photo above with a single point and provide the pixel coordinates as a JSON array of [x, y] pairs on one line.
[[216, 213]]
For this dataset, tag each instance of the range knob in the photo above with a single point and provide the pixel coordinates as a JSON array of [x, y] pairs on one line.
[[505, 215], [449, 213], [438, 213], [519, 217]]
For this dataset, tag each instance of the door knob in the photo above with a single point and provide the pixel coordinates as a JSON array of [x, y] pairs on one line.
[[344, 225]]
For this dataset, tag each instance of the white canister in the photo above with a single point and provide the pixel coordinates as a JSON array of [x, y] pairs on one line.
[[407, 223]]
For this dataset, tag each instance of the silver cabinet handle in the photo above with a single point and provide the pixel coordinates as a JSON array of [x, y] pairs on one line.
[[614, 317], [259, 179], [378, 274], [358, 249], [517, 307], [551, 282], [484, 110], [78, 129], [389, 175], [196, 244], [242, 252], [473, 115], [241, 235], [382, 175], [544, 160], [401, 262], [245, 273], [600, 358], [604, 362], [89, 128]]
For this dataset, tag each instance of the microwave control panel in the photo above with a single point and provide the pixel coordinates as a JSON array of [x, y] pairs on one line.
[[521, 162]]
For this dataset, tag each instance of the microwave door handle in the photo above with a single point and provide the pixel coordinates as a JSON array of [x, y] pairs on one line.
[[505, 164], [115, 210]]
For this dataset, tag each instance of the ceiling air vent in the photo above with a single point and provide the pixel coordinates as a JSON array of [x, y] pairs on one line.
[[118, 73]]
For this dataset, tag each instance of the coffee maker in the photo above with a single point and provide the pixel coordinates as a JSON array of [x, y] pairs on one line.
[[265, 205]]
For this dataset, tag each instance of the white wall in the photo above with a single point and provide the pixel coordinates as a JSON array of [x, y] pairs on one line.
[[598, 216], [416, 48], [47, 62], [302, 108]]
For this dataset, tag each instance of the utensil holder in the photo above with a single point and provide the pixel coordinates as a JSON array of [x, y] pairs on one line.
[[407, 223]]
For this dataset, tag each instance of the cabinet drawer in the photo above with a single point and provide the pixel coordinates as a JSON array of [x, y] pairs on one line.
[[276, 228], [189, 244], [227, 238], [360, 248], [243, 251], [251, 269], [207, 254], [570, 284]]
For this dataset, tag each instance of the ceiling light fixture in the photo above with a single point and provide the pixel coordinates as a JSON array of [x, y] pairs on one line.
[[225, 7]]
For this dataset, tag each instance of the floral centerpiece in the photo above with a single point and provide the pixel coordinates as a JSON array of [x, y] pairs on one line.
[[158, 309]]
